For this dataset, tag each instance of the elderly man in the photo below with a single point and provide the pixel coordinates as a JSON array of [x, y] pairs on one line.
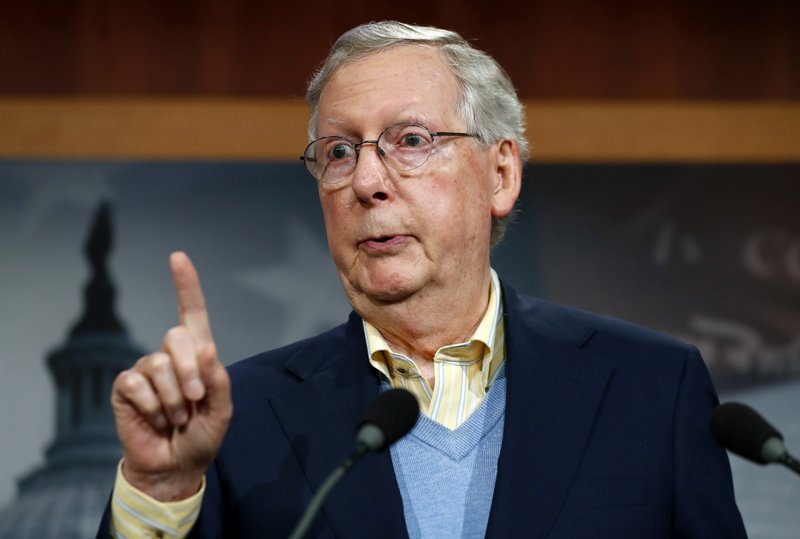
[[537, 420]]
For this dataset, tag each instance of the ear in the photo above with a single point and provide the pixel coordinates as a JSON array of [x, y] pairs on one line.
[[508, 178]]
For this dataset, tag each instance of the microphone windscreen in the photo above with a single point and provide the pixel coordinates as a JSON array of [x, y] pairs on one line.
[[393, 412], [741, 429]]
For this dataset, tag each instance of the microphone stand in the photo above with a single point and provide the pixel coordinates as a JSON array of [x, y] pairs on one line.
[[316, 502], [790, 462], [387, 419]]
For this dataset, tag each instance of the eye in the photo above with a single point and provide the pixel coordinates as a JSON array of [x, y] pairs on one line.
[[408, 136], [339, 151], [412, 140]]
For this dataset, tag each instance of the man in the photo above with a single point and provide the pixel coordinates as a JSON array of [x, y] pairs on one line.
[[538, 421]]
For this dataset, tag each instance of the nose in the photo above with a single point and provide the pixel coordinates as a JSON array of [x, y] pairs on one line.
[[370, 177]]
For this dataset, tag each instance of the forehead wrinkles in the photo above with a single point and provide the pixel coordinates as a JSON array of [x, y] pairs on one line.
[[408, 82]]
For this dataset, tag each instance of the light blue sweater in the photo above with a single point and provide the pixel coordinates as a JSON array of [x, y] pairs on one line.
[[447, 478]]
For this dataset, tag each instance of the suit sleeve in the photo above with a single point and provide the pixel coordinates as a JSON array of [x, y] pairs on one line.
[[704, 505], [211, 522]]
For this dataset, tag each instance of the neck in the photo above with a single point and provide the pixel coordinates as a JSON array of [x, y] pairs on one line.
[[419, 325]]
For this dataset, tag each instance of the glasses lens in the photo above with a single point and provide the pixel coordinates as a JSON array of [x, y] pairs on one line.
[[406, 146], [330, 159]]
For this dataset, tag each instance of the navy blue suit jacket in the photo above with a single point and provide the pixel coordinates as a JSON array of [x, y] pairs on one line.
[[605, 436]]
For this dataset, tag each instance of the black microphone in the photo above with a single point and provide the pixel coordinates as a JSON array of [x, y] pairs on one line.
[[387, 419], [740, 429]]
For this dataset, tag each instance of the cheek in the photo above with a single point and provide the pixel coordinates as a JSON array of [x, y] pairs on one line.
[[335, 217], [462, 205]]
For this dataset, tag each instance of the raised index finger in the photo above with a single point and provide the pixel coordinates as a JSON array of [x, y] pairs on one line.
[[192, 311]]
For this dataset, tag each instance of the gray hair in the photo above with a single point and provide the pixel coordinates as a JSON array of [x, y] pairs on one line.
[[487, 102]]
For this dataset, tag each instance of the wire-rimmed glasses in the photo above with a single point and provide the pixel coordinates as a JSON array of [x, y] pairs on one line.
[[403, 146]]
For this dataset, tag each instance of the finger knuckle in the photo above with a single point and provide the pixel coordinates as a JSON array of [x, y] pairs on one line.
[[127, 381], [141, 362], [174, 335], [150, 408], [159, 362], [172, 401]]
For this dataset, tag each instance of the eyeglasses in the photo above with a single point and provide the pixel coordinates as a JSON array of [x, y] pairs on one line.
[[404, 146]]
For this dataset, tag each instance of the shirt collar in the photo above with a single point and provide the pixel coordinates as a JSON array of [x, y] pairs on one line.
[[486, 333]]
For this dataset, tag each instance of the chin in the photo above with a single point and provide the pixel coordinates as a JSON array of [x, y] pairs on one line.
[[388, 286]]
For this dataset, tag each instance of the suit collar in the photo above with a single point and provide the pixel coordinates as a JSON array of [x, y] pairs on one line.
[[554, 391], [343, 342], [319, 416]]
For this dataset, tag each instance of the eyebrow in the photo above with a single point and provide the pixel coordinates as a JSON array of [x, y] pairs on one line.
[[415, 119], [410, 118]]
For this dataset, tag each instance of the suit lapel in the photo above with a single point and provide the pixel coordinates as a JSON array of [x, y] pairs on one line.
[[554, 390], [319, 417]]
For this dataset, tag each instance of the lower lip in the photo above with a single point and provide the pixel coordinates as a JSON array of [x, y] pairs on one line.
[[388, 246]]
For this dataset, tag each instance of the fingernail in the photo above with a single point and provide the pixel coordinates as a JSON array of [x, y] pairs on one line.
[[195, 389], [161, 422], [179, 417]]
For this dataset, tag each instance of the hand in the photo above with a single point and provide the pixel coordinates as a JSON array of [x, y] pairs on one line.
[[172, 407]]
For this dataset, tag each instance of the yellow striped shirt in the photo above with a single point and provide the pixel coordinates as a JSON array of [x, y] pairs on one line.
[[463, 372], [134, 514]]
